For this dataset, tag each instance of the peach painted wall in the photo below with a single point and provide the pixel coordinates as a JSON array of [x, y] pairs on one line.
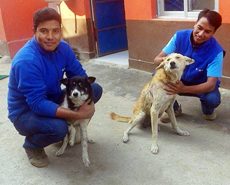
[[140, 9], [17, 18], [146, 10], [2, 29], [224, 9]]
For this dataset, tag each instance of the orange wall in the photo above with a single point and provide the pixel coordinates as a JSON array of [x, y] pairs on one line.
[[2, 30], [224, 7], [146, 9], [140, 9], [17, 18]]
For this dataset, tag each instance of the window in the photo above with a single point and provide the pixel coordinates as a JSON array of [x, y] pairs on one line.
[[184, 8]]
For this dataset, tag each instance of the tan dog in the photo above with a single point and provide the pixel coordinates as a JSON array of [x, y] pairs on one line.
[[154, 101]]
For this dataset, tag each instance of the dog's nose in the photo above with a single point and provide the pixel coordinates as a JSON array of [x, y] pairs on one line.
[[172, 64], [75, 94]]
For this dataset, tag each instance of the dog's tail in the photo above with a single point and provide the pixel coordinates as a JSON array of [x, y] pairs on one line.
[[116, 117]]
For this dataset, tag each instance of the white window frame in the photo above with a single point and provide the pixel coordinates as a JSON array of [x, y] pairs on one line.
[[180, 14]]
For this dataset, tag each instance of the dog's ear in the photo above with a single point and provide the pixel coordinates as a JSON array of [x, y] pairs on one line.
[[161, 65], [188, 60], [91, 79], [64, 81]]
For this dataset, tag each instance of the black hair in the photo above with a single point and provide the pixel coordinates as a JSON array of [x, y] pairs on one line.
[[214, 18], [46, 14]]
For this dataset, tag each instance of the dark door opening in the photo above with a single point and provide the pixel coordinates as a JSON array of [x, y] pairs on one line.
[[109, 26]]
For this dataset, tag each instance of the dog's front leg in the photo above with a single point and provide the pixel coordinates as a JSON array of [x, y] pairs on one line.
[[64, 145], [90, 140], [78, 134], [154, 127], [72, 135], [172, 118], [137, 120], [84, 143]]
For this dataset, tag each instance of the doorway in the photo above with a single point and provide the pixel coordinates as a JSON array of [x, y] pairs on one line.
[[109, 26]]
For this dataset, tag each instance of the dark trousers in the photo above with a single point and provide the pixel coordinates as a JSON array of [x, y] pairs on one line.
[[209, 101]]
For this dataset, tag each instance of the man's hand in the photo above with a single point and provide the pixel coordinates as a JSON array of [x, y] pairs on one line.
[[174, 88], [86, 110]]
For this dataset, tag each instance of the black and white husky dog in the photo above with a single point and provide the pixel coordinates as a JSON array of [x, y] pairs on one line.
[[78, 90]]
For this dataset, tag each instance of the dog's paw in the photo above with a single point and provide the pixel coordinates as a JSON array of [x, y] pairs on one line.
[[86, 162], [154, 149], [59, 152], [71, 142], [125, 138], [183, 133]]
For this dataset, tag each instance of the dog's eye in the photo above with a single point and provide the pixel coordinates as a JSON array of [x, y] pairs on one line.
[[169, 59], [177, 57], [74, 83]]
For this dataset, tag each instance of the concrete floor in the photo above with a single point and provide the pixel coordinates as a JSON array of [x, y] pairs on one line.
[[120, 59], [199, 159]]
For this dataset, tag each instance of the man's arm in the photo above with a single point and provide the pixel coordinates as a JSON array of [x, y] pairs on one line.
[[159, 58], [179, 87], [85, 111]]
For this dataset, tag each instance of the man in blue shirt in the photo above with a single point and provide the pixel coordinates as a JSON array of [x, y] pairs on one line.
[[35, 92], [201, 78]]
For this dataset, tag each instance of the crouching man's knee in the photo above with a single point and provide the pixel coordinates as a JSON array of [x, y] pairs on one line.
[[212, 99]]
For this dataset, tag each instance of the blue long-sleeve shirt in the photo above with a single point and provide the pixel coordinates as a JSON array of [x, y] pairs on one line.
[[34, 78]]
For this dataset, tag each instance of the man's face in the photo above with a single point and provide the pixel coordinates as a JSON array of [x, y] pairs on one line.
[[203, 31], [48, 34]]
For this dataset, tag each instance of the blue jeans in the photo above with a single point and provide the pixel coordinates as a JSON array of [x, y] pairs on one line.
[[209, 101], [41, 131]]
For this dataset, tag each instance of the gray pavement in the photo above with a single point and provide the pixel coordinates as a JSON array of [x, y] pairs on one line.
[[199, 159]]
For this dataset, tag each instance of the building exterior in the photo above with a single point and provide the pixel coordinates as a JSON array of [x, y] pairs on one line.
[[90, 26], [147, 34], [16, 23]]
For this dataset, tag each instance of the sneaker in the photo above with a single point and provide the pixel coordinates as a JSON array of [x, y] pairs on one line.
[[210, 117], [37, 157], [165, 119]]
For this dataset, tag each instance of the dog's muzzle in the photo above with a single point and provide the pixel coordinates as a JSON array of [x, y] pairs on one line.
[[75, 94], [173, 65]]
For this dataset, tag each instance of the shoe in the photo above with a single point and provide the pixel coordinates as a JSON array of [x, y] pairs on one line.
[[178, 112], [210, 117], [37, 157], [165, 119]]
